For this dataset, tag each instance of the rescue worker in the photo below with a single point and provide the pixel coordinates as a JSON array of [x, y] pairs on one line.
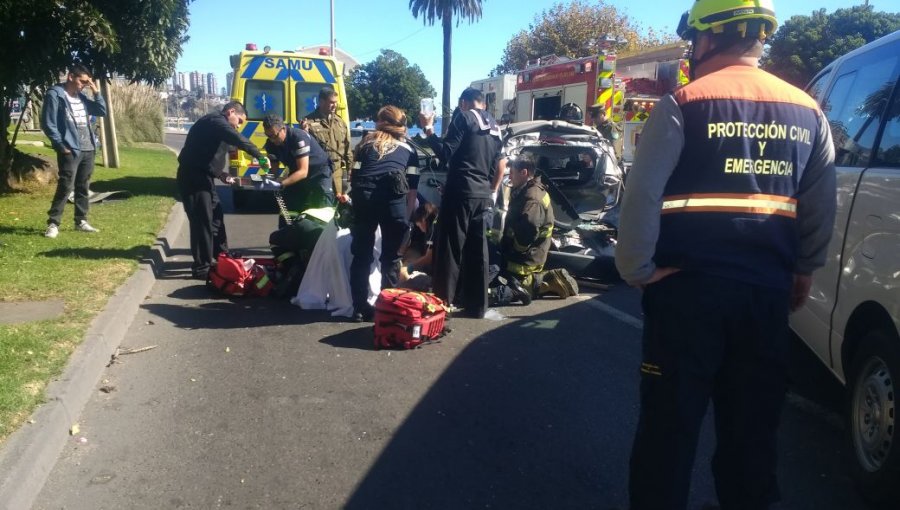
[[571, 112], [327, 127], [379, 193], [611, 130], [471, 150], [307, 184], [526, 242], [64, 119], [199, 163], [728, 210]]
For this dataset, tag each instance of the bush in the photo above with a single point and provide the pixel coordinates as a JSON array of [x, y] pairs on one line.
[[139, 113]]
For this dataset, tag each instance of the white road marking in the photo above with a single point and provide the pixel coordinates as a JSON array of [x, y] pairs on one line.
[[616, 313]]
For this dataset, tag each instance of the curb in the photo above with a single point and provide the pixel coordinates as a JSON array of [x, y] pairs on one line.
[[31, 452]]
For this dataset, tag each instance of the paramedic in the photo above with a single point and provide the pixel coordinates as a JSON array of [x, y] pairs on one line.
[[307, 184], [471, 150], [379, 193], [741, 164], [199, 163]]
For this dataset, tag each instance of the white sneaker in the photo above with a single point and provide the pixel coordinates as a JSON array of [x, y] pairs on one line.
[[84, 226], [52, 231]]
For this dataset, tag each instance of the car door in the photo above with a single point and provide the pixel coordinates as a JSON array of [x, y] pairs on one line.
[[854, 106]]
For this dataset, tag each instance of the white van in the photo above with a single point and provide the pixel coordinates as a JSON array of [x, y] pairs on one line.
[[852, 318]]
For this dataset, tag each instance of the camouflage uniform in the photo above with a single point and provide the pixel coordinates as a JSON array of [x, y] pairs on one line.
[[334, 136]]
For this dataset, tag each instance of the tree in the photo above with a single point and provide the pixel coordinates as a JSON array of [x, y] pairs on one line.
[[446, 10], [138, 39], [389, 79], [804, 45], [574, 30]]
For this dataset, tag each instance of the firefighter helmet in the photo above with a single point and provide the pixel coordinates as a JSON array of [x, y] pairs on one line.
[[755, 18], [571, 112]]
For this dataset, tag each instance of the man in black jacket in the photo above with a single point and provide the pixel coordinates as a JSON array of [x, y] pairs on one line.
[[472, 150], [198, 165]]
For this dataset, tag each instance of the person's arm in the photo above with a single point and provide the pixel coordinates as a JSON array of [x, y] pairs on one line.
[[49, 114], [300, 173], [94, 106], [498, 176], [445, 148], [816, 208], [229, 135], [662, 141]]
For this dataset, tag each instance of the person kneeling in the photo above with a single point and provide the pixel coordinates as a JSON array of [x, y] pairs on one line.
[[526, 242]]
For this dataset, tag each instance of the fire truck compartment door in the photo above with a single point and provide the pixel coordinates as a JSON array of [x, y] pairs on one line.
[[523, 106], [576, 93]]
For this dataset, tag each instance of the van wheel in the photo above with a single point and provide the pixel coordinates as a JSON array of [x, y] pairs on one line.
[[240, 198], [873, 417]]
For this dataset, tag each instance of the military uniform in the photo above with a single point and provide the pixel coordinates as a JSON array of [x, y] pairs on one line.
[[334, 136], [614, 132]]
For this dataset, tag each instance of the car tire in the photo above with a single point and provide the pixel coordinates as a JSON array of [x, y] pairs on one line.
[[872, 411]]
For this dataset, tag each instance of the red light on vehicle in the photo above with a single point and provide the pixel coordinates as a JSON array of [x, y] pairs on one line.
[[323, 51], [250, 46]]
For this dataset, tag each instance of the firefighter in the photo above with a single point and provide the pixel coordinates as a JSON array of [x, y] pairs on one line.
[[307, 184], [380, 195], [199, 163], [327, 127], [526, 242], [741, 165], [571, 112], [471, 150], [610, 129]]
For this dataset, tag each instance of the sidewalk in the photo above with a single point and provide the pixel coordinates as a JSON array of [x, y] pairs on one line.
[[30, 453]]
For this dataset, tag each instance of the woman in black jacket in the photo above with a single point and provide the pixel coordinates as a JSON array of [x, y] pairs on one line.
[[379, 189]]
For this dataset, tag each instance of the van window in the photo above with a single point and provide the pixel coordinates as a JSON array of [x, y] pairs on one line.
[[262, 97], [307, 97], [889, 148], [855, 105], [816, 89]]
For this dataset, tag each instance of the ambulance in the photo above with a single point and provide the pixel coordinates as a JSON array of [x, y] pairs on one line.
[[285, 83]]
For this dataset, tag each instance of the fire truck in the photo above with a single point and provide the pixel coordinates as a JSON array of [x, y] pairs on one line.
[[499, 95], [627, 86]]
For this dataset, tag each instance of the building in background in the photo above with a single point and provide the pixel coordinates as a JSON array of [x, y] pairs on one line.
[[212, 85], [183, 82], [196, 81], [229, 77]]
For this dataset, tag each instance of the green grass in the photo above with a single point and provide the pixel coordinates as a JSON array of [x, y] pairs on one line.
[[83, 270]]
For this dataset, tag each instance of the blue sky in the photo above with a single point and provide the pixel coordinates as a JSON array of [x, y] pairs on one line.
[[220, 28]]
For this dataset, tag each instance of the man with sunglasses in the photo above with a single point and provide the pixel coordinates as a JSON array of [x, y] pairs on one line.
[[200, 162], [64, 119], [307, 184]]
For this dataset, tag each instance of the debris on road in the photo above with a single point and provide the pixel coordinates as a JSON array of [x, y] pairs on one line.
[[121, 352], [74, 429], [107, 388]]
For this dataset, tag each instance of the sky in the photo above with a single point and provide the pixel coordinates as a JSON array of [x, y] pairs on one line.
[[219, 28]]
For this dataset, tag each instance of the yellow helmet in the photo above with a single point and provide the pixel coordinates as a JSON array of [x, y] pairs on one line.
[[753, 18]]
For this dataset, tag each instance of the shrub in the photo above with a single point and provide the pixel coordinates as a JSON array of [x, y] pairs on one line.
[[139, 112]]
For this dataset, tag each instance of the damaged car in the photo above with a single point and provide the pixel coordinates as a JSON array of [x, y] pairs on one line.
[[579, 168]]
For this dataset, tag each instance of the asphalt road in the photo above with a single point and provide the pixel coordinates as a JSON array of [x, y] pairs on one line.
[[257, 404]]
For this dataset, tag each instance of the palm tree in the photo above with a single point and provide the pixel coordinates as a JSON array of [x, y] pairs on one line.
[[446, 10]]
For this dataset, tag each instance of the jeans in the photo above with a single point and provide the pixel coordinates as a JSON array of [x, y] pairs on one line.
[[74, 171]]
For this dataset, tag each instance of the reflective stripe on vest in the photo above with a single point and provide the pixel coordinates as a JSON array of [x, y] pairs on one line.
[[731, 202]]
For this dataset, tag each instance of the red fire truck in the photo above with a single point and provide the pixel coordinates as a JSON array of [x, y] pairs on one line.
[[627, 86]]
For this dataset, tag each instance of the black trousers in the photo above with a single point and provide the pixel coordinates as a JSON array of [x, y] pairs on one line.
[[461, 254], [710, 338], [377, 202], [207, 226], [74, 172]]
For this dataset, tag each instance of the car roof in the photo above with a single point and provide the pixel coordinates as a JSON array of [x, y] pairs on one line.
[[881, 41]]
